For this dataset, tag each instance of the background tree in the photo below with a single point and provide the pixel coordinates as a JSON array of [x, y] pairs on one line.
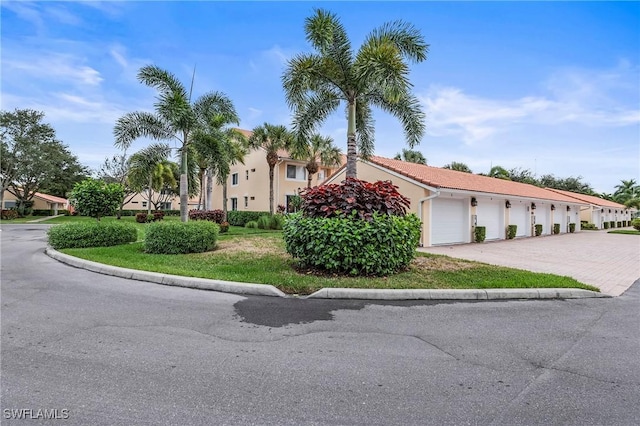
[[319, 150], [175, 118], [31, 157], [376, 75], [149, 171], [66, 172], [572, 184], [411, 156], [95, 198], [271, 138], [523, 176], [460, 167], [116, 170], [499, 172], [626, 190]]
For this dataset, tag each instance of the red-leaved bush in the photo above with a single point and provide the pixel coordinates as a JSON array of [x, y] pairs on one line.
[[364, 198], [216, 216]]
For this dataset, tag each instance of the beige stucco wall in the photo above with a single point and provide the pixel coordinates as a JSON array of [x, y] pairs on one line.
[[38, 203]]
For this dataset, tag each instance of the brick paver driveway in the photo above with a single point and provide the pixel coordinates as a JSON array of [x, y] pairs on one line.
[[610, 262]]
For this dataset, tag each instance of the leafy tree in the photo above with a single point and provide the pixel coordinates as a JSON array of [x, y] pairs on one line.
[[31, 157], [499, 172], [316, 84], [460, 167], [94, 198], [523, 176], [271, 138], [626, 190], [572, 184], [149, 170], [116, 170], [319, 150], [175, 118], [411, 156], [66, 172]]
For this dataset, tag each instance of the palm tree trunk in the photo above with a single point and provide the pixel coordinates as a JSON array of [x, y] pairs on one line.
[[309, 179], [224, 200], [209, 202], [351, 141], [271, 188], [184, 183], [149, 202]]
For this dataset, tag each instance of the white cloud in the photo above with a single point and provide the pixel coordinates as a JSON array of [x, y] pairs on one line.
[[53, 67]]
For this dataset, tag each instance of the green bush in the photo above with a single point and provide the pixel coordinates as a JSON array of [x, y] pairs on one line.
[[240, 218], [612, 224], [619, 224], [606, 225], [480, 233], [40, 212], [538, 228], [381, 246], [556, 228], [636, 224], [95, 198], [264, 222], [224, 227], [91, 234], [270, 221], [8, 214], [572, 228], [511, 231], [252, 224], [587, 226], [179, 237]]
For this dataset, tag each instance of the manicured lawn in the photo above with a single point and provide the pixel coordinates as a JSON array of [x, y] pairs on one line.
[[258, 256], [625, 231]]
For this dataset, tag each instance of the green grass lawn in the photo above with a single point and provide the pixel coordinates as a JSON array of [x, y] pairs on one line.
[[625, 231], [258, 256]]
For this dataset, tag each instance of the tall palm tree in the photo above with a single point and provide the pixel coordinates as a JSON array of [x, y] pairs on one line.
[[147, 169], [319, 150], [626, 190], [460, 167], [271, 138], [175, 117], [315, 84], [411, 156]]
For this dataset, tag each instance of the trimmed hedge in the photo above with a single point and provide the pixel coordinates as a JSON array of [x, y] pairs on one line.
[[181, 238], [606, 225], [511, 231], [538, 229], [480, 233], [216, 216], [556, 228], [636, 224], [91, 234], [572, 228], [346, 245], [240, 218]]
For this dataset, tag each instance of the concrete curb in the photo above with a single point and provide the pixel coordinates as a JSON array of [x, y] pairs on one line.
[[325, 293]]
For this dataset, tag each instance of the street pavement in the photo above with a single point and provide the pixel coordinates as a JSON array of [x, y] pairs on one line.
[[104, 350]]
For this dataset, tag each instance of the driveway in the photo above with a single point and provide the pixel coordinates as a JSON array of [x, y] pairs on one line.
[[610, 262]]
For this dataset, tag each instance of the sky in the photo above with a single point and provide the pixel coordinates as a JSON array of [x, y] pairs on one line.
[[553, 87]]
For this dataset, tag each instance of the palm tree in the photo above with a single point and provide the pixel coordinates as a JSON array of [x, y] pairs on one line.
[[148, 169], [320, 150], [626, 190], [499, 172], [271, 138], [175, 117], [376, 75], [460, 167], [411, 156]]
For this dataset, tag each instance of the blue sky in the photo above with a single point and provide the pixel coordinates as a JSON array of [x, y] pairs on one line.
[[547, 86]]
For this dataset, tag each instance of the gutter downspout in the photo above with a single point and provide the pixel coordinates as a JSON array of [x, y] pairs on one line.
[[420, 202], [277, 197]]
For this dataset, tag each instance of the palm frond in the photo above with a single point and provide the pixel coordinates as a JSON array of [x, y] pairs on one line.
[[215, 110], [133, 125], [316, 108], [167, 83], [407, 39], [410, 114]]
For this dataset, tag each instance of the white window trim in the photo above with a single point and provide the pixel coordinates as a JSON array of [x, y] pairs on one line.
[[304, 173]]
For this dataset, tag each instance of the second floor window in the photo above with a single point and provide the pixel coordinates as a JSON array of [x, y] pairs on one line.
[[234, 179], [296, 172]]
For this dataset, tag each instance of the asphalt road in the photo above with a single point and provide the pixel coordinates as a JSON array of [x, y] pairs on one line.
[[106, 351]]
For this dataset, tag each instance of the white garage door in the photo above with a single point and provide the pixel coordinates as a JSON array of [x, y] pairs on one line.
[[491, 216], [449, 221], [560, 216], [542, 217], [595, 215], [518, 216]]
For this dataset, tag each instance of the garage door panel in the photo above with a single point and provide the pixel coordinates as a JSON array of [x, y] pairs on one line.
[[449, 221], [490, 215], [518, 216]]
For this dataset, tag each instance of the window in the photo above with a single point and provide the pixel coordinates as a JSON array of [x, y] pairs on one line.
[[234, 179], [165, 206], [234, 203], [246, 172], [296, 172], [9, 204], [144, 204], [320, 176], [246, 202]]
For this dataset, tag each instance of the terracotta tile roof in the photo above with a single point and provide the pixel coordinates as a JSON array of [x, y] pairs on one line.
[[450, 179], [51, 198], [590, 199]]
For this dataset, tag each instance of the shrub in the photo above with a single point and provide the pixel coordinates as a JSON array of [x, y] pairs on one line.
[[606, 225], [480, 234], [538, 228], [224, 227], [612, 224], [572, 228], [383, 245], [636, 224], [252, 224], [91, 234], [618, 225], [141, 217], [95, 198], [277, 221], [216, 216], [240, 218], [179, 237], [40, 212], [556, 228], [364, 198], [158, 215], [511, 231], [8, 214], [588, 226], [264, 222]]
